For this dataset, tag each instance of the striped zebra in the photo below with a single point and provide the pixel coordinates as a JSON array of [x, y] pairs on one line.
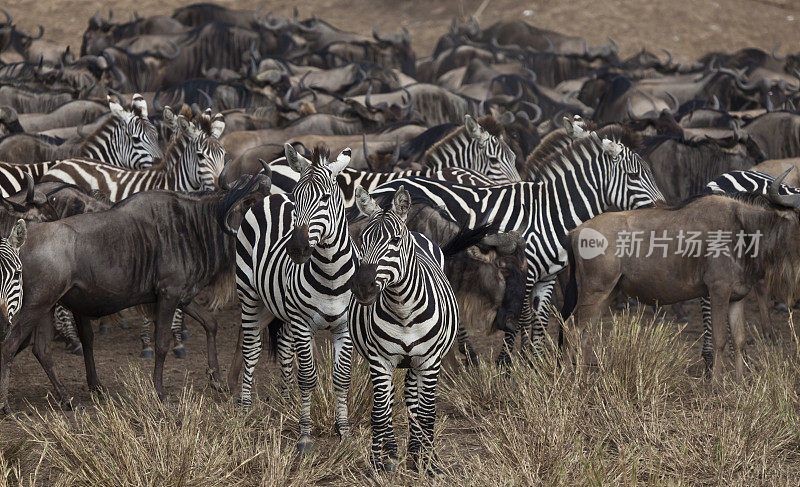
[[572, 186], [753, 182], [294, 260], [403, 313], [127, 139], [471, 154], [11, 277], [192, 162]]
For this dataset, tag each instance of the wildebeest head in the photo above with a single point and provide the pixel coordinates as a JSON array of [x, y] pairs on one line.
[[387, 245], [492, 154], [203, 149], [11, 275], [319, 206], [630, 182]]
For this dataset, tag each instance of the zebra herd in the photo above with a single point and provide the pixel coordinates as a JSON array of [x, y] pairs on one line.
[[334, 246]]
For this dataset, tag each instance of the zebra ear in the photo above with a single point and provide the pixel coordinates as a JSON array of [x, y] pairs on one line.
[[475, 130], [218, 125], [401, 202], [366, 205], [341, 162], [188, 127], [611, 148], [18, 234], [297, 162], [139, 105], [170, 119], [117, 110]]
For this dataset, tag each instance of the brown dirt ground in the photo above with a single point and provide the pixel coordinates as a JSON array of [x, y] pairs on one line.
[[689, 28]]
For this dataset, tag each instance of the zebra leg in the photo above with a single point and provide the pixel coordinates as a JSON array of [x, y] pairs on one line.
[[540, 304], [708, 350], [504, 357], [177, 337], [252, 309], [342, 360], [383, 439], [424, 416], [465, 346], [286, 354], [144, 335], [41, 349], [65, 325], [307, 381]]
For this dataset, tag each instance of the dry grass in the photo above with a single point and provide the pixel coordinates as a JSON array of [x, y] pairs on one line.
[[637, 416]]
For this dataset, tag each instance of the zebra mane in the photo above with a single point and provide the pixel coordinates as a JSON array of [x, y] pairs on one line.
[[614, 132], [319, 153], [107, 124], [488, 122]]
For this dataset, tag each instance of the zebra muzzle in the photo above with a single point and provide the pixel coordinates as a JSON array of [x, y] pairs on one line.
[[364, 284], [298, 247]]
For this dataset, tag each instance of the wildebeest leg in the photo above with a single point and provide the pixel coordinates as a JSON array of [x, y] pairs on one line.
[[27, 319], [165, 310], [525, 320], [591, 302], [762, 295], [708, 348], [342, 359], [736, 324], [720, 299], [86, 335], [42, 351], [208, 322], [236, 363]]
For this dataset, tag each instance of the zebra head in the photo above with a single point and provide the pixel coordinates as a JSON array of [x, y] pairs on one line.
[[492, 155], [318, 202], [630, 184], [203, 152], [11, 276], [387, 245], [133, 137]]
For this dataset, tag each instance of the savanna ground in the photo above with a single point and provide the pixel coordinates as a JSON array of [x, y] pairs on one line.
[[642, 414]]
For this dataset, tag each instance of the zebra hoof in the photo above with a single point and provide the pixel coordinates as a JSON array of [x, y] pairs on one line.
[[77, 350], [782, 307], [179, 352], [147, 353], [185, 335], [122, 324], [304, 445], [504, 361], [103, 330], [471, 360]]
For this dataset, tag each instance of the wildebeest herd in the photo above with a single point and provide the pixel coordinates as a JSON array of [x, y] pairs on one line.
[[337, 181]]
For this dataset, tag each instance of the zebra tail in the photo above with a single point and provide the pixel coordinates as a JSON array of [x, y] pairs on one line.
[[571, 292], [274, 329], [467, 237]]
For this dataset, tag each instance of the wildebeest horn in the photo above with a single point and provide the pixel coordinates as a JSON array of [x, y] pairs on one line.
[[80, 129], [775, 54], [790, 105], [41, 33], [366, 149], [536, 108], [630, 112], [769, 105], [675, 102], [265, 167], [506, 118], [714, 102], [381, 106], [396, 151], [669, 58], [550, 47], [791, 201], [409, 105], [376, 35], [614, 47], [585, 48], [481, 108], [9, 19], [557, 117], [207, 97], [29, 183], [531, 74]]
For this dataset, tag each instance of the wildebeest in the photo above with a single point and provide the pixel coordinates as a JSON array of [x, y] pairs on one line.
[[159, 247], [717, 246]]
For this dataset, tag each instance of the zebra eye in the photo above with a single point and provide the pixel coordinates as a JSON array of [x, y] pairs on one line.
[[396, 240], [325, 197]]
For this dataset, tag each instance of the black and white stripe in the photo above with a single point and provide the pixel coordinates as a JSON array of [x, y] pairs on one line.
[[11, 275], [294, 259], [403, 313], [572, 186]]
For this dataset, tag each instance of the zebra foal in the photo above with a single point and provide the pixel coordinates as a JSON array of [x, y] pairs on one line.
[[403, 313]]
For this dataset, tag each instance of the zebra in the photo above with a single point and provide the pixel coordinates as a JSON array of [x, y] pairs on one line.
[[403, 313], [127, 139], [471, 154], [571, 186], [746, 181], [192, 162], [294, 259], [11, 278]]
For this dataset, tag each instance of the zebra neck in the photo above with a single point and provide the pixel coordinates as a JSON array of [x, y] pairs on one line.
[[570, 198], [455, 153], [335, 246], [399, 299], [177, 169]]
